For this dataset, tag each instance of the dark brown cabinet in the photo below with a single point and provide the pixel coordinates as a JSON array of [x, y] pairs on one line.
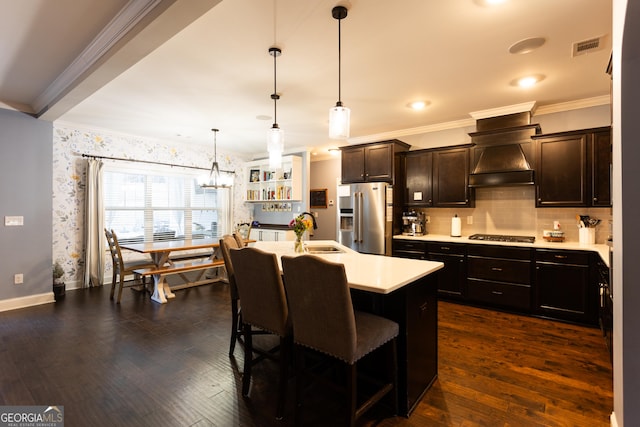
[[451, 178], [418, 169], [409, 249], [452, 278], [500, 276], [371, 162], [550, 283], [438, 178], [573, 168], [601, 154], [415, 308], [564, 287]]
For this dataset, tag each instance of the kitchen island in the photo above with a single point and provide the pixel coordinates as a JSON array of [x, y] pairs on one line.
[[403, 290]]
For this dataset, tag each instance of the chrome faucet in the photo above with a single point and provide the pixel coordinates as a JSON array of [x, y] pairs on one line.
[[313, 219]]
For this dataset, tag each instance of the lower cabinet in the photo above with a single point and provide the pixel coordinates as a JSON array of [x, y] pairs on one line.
[[415, 308], [452, 278], [409, 249], [499, 276], [556, 284], [564, 286], [271, 235]]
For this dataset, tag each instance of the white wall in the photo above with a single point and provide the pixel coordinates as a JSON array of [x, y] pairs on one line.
[[626, 211]]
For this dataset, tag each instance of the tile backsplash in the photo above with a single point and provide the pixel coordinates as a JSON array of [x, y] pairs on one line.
[[512, 211]]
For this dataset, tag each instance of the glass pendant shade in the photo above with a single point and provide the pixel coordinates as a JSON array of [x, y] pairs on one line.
[[275, 146], [339, 122]]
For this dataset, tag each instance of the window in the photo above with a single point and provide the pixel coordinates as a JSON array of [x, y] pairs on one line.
[[148, 205]]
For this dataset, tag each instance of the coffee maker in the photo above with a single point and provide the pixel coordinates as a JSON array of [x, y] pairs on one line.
[[413, 223]]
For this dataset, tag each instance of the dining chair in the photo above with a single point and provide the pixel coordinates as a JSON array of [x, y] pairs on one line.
[[324, 320], [228, 242], [122, 268], [264, 307]]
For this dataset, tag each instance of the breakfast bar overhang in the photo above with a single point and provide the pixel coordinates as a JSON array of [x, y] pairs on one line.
[[400, 289]]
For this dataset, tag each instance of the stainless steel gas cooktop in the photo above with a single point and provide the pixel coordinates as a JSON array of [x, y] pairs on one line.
[[502, 238]]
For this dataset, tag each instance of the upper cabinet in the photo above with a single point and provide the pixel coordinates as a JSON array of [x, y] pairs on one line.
[[438, 178], [371, 162], [418, 169], [573, 169], [451, 167], [601, 155], [265, 184]]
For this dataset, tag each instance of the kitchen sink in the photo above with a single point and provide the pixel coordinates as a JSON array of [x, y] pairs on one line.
[[322, 249]]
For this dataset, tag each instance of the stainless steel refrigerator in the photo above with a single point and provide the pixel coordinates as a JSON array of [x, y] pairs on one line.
[[365, 216]]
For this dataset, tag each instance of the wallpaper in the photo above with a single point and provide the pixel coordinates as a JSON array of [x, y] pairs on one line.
[[69, 177]]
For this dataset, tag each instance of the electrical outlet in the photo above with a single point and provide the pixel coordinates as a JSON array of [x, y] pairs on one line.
[[427, 219], [469, 220], [18, 279]]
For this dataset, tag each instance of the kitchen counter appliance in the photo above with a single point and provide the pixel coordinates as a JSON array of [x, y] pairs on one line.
[[413, 223], [502, 238]]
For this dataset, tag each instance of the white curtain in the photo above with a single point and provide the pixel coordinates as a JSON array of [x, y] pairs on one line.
[[94, 226]]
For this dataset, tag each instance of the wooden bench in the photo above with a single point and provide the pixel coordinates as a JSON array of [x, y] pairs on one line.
[[180, 268]]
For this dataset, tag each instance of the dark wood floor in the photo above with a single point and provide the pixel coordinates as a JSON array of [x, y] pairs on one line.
[[144, 364]]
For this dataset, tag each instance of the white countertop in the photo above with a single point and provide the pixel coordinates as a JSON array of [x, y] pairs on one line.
[[602, 250], [373, 273]]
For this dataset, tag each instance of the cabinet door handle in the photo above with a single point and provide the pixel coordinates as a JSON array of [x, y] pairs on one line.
[[496, 269], [595, 199], [496, 292], [423, 307], [560, 256], [445, 248]]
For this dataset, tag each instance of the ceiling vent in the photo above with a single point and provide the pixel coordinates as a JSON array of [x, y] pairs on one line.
[[586, 46]]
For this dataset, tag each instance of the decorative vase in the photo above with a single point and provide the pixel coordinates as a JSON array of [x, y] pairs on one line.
[[297, 246]]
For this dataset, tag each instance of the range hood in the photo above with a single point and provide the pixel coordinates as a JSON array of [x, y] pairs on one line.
[[503, 151]]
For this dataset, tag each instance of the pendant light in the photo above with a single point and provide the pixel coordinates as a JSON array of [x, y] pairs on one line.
[[214, 175], [275, 136], [339, 116]]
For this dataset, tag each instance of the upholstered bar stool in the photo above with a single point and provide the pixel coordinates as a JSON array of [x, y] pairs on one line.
[[264, 306], [324, 320], [227, 243]]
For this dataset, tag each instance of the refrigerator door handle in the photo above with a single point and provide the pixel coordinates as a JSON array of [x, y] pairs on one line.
[[360, 214], [356, 224]]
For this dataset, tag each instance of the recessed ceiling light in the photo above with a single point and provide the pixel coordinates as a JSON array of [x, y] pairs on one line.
[[418, 105], [526, 45], [527, 81], [489, 2], [334, 151]]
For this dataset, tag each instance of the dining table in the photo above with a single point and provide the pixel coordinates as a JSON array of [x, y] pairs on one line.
[[161, 252]]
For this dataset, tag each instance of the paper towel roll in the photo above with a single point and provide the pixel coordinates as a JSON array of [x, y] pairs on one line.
[[456, 226]]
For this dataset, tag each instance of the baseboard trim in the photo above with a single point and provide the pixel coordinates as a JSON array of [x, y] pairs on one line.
[[28, 301]]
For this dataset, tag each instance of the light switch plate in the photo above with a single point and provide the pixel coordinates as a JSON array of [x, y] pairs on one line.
[[13, 220]]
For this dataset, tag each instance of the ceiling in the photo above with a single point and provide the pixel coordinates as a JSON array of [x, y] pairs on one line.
[[172, 70]]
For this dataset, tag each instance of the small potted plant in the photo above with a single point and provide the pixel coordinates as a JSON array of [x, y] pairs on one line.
[[58, 283]]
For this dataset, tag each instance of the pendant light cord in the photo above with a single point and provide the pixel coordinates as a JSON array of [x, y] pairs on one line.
[[275, 52], [339, 64]]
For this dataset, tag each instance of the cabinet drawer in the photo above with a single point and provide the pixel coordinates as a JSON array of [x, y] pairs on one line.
[[500, 270], [497, 251], [446, 248], [563, 257], [402, 253], [409, 245], [502, 294]]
